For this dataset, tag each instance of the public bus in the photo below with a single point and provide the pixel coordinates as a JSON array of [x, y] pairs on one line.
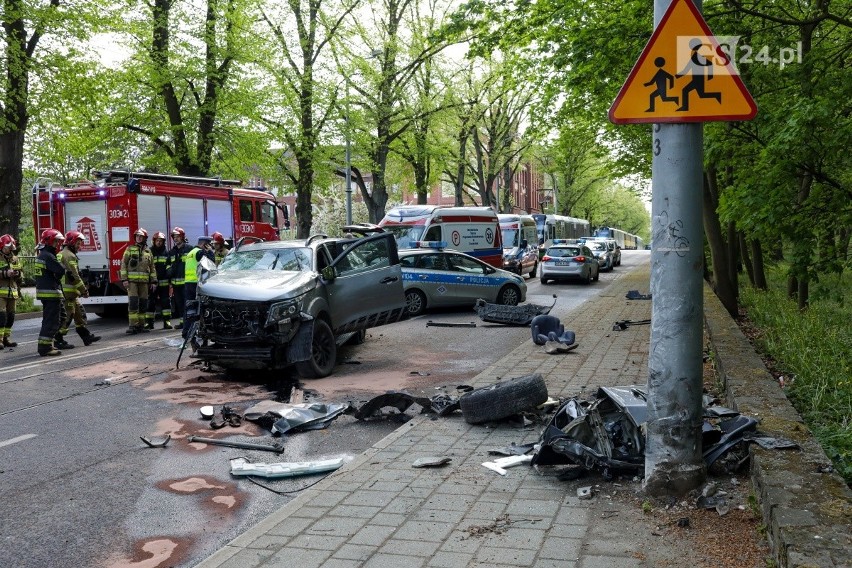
[[624, 239]]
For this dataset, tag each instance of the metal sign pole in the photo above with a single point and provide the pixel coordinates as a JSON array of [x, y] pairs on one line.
[[673, 460]]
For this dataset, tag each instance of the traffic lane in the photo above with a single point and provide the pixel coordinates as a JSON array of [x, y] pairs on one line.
[[85, 450]]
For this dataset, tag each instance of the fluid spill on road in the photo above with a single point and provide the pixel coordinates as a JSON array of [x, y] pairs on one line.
[[215, 495], [156, 552], [196, 386]]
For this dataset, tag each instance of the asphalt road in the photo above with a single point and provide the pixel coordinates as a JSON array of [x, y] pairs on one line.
[[80, 488]]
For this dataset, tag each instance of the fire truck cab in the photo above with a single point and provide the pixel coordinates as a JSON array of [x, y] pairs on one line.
[[108, 210]]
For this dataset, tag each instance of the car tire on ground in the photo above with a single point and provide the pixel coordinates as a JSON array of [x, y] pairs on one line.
[[502, 400], [415, 302], [323, 353], [509, 296], [597, 274], [534, 272]]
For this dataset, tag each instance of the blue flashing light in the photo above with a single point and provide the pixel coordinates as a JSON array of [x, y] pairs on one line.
[[101, 193], [428, 244], [62, 195]]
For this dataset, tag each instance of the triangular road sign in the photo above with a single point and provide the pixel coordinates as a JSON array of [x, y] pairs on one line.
[[683, 75]]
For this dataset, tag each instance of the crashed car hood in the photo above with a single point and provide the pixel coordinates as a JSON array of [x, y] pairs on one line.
[[258, 285]]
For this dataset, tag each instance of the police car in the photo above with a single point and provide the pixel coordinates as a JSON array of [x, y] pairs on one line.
[[435, 277]]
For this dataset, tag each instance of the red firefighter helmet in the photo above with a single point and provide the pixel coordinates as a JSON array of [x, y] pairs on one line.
[[52, 238], [179, 232], [71, 237], [218, 238], [140, 232], [8, 241], [159, 235]]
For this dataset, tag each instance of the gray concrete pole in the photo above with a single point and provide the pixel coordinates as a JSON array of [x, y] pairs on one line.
[[673, 460]]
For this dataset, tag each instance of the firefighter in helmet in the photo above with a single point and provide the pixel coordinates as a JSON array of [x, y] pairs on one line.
[[48, 281], [72, 288], [137, 275], [11, 280], [176, 271], [161, 294], [220, 247]]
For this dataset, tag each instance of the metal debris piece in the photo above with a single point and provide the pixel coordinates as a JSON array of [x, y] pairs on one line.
[[770, 442], [156, 444], [441, 404], [241, 466], [512, 450], [285, 417], [584, 492], [277, 448], [500, 464], [432, 461], [431, 323], [511, 315]]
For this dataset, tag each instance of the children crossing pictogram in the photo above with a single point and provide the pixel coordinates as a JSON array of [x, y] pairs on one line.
[[682, 75]]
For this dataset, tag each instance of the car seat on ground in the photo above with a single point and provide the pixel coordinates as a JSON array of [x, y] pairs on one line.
[[546, 328]]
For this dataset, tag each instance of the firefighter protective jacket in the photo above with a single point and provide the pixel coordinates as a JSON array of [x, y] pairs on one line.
[[11, 276], [161, 264], [177, 264], [72, 285], [137, 265], [48, 275]]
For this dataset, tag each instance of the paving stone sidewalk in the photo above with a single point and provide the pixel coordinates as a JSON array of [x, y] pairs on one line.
[[378, 511]]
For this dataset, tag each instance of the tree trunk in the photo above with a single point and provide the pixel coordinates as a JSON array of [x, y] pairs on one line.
[[745, 256], [757, 264], [11, 178], [718, 252]]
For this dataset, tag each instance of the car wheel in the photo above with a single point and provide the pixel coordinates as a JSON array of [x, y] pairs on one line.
[[415, 300], [597, 274], [587, 279], [509, 296], [323, 353], [534, 272], [502, 400]]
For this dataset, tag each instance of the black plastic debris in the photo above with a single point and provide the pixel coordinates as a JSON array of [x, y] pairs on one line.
[[511, 315], [156, 443], [431, 323], [636, 295], [624, 324], [605, 433], [440, 404]]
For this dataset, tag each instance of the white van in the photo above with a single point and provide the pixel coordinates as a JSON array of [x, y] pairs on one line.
[[520, 244], [471, 230]]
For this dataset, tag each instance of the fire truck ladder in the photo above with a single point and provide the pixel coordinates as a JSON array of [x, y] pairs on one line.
[[44, 211]]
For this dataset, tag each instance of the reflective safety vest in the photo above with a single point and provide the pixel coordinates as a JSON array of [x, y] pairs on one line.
[[72, 284], [10, 284], [190, 264], [137, 265], [48, 275]]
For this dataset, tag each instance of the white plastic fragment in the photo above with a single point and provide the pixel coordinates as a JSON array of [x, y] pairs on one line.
[[584, 492], [500, 464], [241, 466]]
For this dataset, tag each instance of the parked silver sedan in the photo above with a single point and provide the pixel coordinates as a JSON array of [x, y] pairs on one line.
[[440, 278], [562, 262]]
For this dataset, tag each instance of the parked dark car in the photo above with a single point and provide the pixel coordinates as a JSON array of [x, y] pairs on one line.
[[601, 251], [274, 304]]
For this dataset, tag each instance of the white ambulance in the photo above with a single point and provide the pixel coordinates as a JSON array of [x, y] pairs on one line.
[[471, 230]]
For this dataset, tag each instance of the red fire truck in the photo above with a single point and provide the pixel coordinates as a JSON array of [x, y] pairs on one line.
[[108, 210]]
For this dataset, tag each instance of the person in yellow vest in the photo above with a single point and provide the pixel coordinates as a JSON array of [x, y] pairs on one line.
[[190, 263], [73, 288], [220, 248], [137, 276], [11, 280], [161, 295]]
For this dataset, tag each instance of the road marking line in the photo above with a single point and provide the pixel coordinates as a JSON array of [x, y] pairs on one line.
[[18, 439]]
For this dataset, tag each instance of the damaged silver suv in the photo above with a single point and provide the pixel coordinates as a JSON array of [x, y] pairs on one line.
[[273, 304]]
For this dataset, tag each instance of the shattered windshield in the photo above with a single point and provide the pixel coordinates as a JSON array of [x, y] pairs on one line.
[[290, 259], [404, 234]]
